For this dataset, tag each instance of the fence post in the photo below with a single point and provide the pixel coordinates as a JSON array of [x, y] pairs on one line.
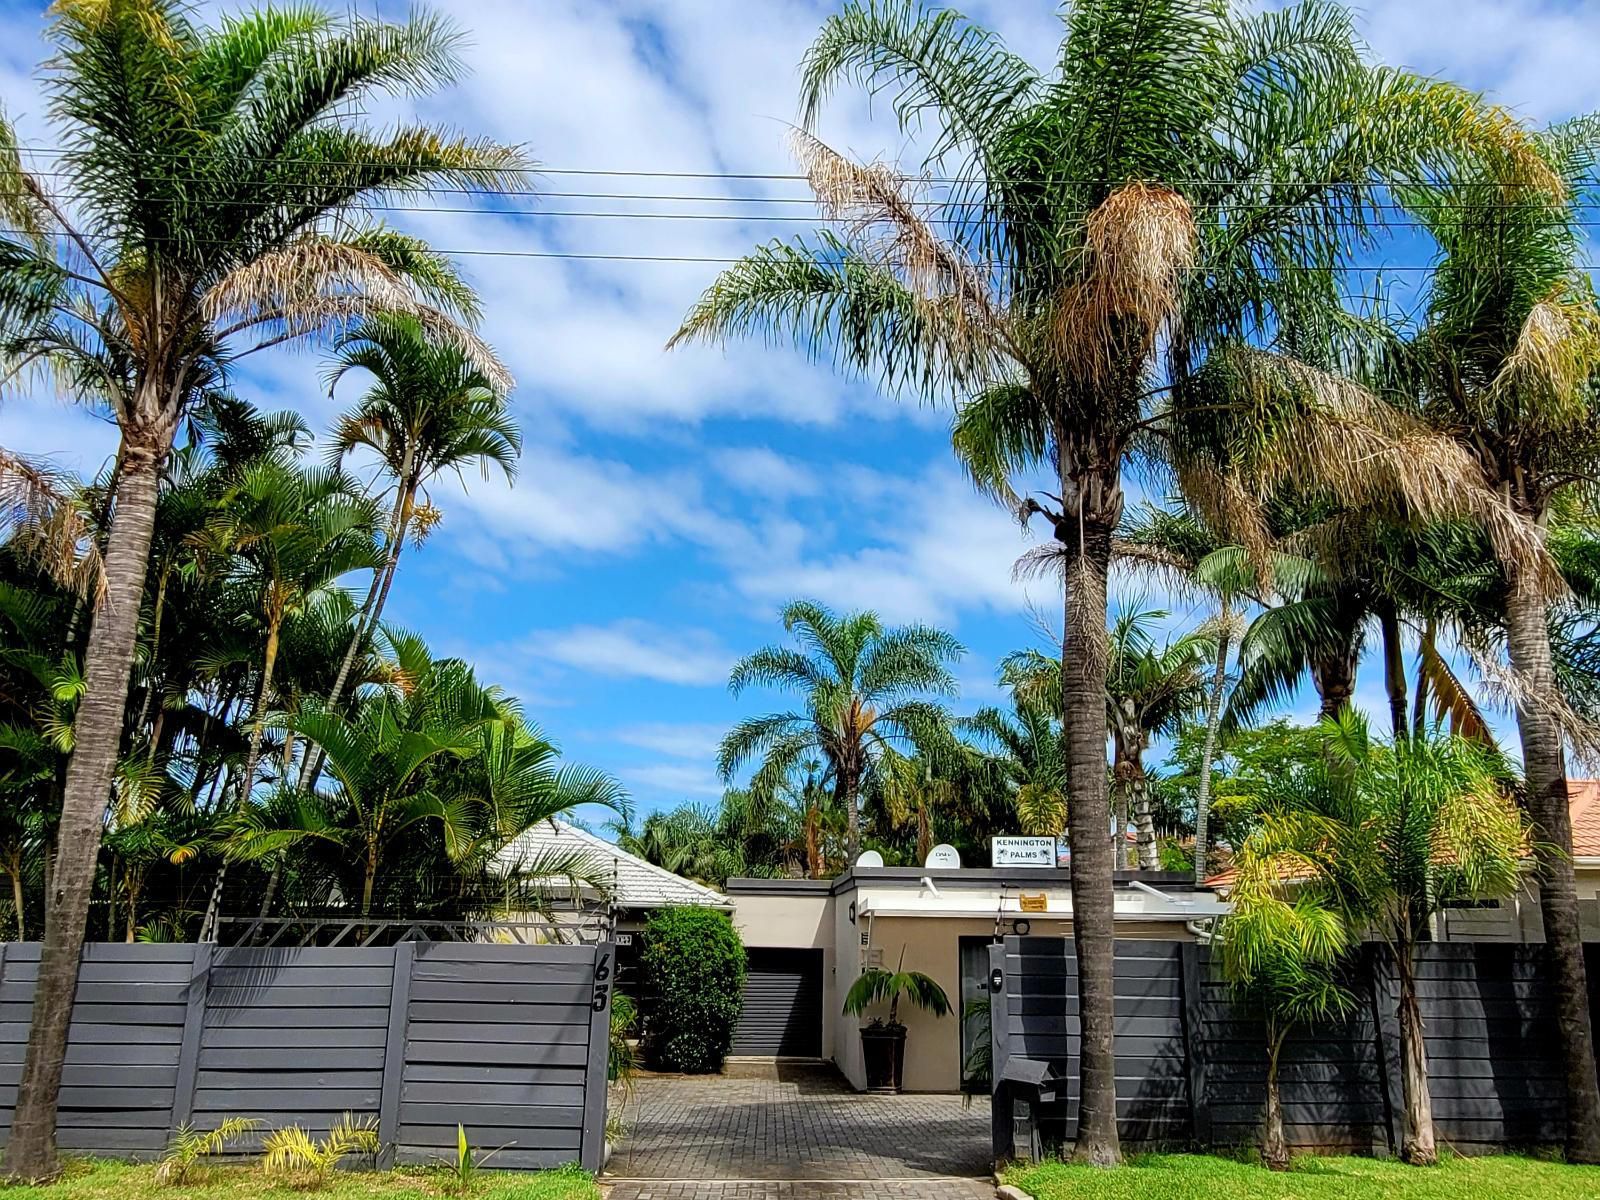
[[999, 1050], [596, 1078], [1194, 1041], [394, 1054], [1386, 1033], [194, 1020]]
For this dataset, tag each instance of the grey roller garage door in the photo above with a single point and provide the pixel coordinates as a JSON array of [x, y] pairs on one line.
[[782, 1004]]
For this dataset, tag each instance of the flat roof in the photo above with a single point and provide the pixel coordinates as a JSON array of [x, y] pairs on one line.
[[988, 878]]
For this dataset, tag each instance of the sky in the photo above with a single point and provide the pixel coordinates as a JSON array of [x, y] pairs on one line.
[[668, 504]]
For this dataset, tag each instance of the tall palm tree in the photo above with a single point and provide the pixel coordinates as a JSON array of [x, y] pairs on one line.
[[1188, 159], [1386, 834], [1506, 361], [432, 408], [862, 686], [207, 185]]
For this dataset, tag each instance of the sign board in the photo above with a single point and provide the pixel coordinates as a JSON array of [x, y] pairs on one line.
[[1039, 903], [624, 939], [1022, 852]]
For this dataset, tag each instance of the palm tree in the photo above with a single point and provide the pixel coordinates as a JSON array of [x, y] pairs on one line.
[[442, 751], [1187, 160], [1028, 758], [1387, 834], [1506, 361], [289, 533], [1282, 956], [207, 187], [1149, 691], [861, 684], [432, 408]]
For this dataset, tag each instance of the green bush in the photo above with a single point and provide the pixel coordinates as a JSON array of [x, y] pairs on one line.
[[693, 967]]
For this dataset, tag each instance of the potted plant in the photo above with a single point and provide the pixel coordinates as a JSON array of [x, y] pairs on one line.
[[883, 1042]]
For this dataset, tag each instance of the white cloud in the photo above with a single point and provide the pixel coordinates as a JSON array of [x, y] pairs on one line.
[[674, 777], [762, 471], [693, 741], [634, 649]]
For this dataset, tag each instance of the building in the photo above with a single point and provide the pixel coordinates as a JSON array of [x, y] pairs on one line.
[[633, 887], [809, 940]]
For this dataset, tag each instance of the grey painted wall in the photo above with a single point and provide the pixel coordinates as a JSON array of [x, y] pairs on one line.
[[1191, 1061], [510, 1041]]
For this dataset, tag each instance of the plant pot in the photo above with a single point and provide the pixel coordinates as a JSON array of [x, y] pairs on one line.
[[883, 1052]]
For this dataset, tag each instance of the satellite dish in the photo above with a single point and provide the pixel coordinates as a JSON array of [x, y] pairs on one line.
[[870, 858], [943, 857]]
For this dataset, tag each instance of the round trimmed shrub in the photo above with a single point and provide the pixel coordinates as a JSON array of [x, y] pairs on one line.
[[693, 974]]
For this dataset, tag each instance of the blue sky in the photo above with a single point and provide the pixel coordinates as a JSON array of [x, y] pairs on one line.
[[667, 505]]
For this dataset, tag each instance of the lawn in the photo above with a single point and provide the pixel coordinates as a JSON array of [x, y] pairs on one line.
[[122, 1181], [1199, 1177]]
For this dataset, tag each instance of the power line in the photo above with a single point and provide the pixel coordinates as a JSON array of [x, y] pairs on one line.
[[793, 176]]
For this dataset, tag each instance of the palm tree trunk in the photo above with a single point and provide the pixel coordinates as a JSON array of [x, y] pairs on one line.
[[1202, 795], [847, 792], [1545, 771], [1419, 1148], [97, 737], [371, 610], [1419, 710], [1274, 1139], [247, 781], [1144, 819], [17, 899], [155, 650], [1335, 678], [1394, 668], [1083, 692]]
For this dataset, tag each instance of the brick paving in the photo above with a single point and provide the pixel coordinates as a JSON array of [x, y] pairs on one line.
[[806, 1136]]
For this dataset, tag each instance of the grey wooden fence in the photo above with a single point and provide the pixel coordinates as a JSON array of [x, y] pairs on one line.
[[1191, 1061], [508, 1040]]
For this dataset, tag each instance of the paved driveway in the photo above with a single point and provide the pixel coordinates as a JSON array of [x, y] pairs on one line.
[[797, 1138]]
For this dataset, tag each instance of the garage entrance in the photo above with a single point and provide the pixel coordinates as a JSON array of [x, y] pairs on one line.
[[782, 1015]]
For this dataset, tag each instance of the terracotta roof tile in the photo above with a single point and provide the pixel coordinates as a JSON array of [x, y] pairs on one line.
[[1584, 798]]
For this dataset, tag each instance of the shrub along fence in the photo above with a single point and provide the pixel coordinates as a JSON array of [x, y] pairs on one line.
[[507, 1040], [1191, 1062]]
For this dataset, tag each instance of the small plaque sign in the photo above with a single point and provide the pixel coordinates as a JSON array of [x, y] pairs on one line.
[[1022, 852], [1034, 904]]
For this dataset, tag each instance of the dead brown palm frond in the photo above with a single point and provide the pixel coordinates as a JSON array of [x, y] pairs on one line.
[[1450, 697], [1556, 355], [1332, 436], [1511, 690], [1139, 247], [878, 211], [47, 525], [1231, 508], [316, 283]]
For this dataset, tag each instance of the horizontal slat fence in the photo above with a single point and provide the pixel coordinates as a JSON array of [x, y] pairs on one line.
[[1191, 1061], [507, 1040]]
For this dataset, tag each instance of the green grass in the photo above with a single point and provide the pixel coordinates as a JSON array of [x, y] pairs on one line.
[[1200, 1177], [96, 1180]]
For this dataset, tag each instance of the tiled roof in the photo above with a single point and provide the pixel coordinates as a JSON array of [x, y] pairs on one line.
[[1583, 799], [639, 884]]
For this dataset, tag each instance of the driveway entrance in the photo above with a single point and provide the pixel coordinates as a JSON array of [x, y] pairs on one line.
[[803, 1135]]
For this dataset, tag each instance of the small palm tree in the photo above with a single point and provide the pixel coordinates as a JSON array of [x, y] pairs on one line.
[[432, 409], [877, 986], [1027, 755], [1283, 957], [862, 686], [1386, 834]]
